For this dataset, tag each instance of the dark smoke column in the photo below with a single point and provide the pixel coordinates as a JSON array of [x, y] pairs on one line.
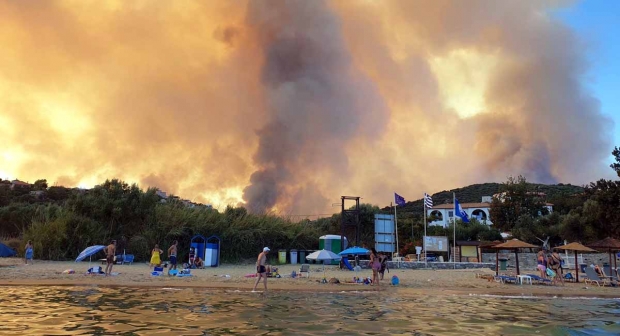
[[317, 102]]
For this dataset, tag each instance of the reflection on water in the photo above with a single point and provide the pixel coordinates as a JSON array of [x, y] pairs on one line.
[[129, 311]]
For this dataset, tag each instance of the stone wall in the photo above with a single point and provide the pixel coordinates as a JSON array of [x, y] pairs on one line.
[[432, 265], [528, 260]]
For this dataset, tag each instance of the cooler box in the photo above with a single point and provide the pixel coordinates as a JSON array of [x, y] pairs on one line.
[[293, 257]]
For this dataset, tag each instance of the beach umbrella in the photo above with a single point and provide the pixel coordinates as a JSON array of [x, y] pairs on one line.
[[323, 255], [355, 251], [88, 252], [514, 244], [608, 244], [575, 247]]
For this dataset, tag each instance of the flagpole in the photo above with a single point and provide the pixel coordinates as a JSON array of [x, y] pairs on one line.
[[396, 230], [424, 238], [454, 251]]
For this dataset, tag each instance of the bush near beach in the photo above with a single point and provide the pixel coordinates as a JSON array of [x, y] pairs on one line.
[[62, 221]]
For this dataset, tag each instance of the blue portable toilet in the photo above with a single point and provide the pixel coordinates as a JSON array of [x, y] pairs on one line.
[[197, 245], [212, 251]]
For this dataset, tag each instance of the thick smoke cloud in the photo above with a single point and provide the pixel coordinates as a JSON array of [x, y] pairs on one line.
[[286, 106], [316, 101]]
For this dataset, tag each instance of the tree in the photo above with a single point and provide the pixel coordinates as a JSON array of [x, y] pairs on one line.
[[40, 184], [517, 198], [616, 166]]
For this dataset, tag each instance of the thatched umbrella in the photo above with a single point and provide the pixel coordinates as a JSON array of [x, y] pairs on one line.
[[514, 244], [575, 247], [608, 244]]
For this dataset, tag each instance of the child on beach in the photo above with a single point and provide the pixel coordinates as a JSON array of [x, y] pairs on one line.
[[29, 255]]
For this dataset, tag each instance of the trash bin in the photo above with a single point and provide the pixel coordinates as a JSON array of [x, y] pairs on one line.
[[502, 264], [302, 257], [282, 256], [293, 257]]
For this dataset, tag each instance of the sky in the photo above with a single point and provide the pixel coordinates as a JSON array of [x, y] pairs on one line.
[[284, 106], [596, 21]]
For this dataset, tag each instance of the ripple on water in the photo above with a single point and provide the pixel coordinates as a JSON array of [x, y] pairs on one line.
[[101, 310]]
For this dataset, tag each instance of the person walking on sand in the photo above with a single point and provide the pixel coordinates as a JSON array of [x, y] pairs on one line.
[[110, 251], [172, 253], [29, 255], [261, 270], [375, 264], [156, 256]]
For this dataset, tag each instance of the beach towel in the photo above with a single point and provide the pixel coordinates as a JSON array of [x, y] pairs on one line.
[[29, 253]]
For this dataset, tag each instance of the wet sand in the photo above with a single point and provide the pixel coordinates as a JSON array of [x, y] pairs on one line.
[[425, 282]]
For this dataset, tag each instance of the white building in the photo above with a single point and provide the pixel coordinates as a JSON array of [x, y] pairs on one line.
[[444, 213]]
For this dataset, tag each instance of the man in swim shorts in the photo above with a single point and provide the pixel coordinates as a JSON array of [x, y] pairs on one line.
[[110, 251], [172, 253], [261, 270]]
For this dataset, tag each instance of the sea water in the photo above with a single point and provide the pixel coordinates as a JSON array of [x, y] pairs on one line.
[[168, 311]]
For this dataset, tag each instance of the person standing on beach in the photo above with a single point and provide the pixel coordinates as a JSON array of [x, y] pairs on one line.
[[383, 259], [172, 253], [554, 261], [261, 270], [155, 256], [29, 255], [375, 264], [110, 251], [542, 264]]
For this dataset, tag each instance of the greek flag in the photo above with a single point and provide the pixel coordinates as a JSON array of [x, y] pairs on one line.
[[458, 211], [428, 201]]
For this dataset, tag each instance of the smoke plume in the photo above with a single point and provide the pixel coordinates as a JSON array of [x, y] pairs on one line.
[[287, 105]]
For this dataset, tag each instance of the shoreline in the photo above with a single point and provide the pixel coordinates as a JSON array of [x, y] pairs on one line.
[[13, 273], [517, 292]]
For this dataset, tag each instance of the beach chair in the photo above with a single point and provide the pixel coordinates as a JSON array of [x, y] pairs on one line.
[[592, 277], [608, 272], [539, 279], [305, 268], [128, 259]]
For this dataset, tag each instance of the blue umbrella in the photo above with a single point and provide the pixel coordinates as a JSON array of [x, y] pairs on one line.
[[89, 251], [355, 251]]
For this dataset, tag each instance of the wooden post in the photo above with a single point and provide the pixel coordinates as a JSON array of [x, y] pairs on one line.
[[576, 268], [496, 261], [517, 260]]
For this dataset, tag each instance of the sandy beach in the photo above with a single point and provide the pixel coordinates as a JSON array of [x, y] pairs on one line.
[[13, 272]]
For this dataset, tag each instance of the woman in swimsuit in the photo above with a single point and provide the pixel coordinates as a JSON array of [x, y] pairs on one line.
[[375, 264]]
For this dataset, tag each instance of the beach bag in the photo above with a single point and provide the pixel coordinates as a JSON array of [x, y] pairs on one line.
[[395, 280], [550, 272]]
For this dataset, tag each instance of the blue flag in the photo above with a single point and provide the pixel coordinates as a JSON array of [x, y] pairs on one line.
[[399, 200], [458, 211]]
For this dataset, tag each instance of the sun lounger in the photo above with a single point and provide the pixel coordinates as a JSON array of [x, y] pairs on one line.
[[592, 277], [505, 278], [539, 279], [608, 272]]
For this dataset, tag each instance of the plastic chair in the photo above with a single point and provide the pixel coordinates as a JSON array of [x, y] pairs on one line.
[[128, 259]]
